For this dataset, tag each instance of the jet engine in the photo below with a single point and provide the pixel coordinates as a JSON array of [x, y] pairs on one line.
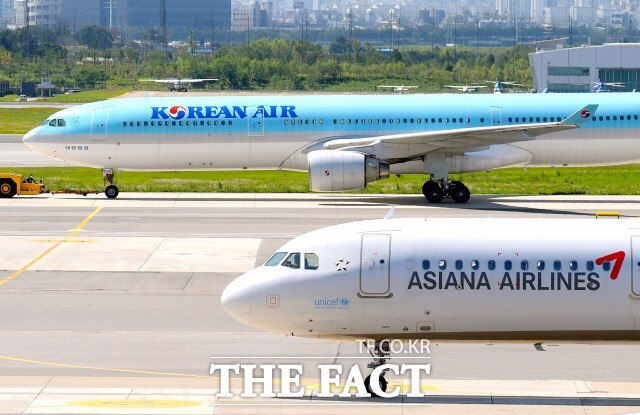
[[333, 170]]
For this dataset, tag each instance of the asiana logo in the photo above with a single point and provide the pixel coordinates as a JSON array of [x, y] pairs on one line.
[[332, 303]]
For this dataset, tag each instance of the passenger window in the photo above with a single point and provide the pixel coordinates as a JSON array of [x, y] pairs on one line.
[[491, 265], [606, 266], [458, 265], [540, 265], [442, 264], [311, 261], [589, 265], [573, 265], [275, 259], [53, 123], [426, 264], [524, 265], [557, 265], [292, 261], [507, 265], [475, 264]]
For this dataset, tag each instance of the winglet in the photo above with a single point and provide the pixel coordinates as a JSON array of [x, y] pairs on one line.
[[581, 116]]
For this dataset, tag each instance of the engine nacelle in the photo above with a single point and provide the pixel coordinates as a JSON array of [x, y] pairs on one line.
[[334, 170]]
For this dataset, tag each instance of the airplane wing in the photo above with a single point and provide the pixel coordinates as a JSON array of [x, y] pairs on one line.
[[453, 86], [427, 141], [160, 81], [178, 81], [197, 80]]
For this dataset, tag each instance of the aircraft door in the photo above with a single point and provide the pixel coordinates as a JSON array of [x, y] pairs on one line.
[[375, 266], [635, 265], [99, 124], [496, 115], [256, 122]]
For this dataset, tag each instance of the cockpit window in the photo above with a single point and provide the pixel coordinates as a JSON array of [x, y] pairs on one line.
[[292, 261], [62, 123], [53, 123], [46, 122], [311, 261], [275, 259]]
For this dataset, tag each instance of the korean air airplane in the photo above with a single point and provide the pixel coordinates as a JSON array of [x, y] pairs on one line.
[[347, 141], [458, 279]]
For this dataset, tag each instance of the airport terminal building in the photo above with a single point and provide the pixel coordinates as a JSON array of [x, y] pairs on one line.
[[579, 69]]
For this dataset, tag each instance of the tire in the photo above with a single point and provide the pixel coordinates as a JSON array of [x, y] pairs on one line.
[[383, 386], [111, 191], [8, 188], [460, 193], [432, 191]]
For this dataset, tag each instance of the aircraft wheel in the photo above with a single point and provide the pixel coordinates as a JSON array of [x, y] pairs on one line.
[[459, 192], [383, 385], [432, 191], [8, 188], [111, 191]]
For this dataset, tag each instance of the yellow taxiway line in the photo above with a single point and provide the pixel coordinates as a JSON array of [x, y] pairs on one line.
[[71, 234]]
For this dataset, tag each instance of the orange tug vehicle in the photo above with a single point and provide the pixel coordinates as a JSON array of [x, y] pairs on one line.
[[14, 184]]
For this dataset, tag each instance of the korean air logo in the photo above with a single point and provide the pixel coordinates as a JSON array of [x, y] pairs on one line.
[[177, 112], [585, 114]]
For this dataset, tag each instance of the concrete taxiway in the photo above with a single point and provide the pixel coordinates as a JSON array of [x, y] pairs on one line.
[[113, 306], [13, 153]]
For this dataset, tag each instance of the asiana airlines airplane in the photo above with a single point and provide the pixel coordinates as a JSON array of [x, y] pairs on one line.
[[347, 141], [531, 280]]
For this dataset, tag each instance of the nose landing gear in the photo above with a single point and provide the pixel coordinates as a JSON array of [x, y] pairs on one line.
[[111, 190], [379, 358]]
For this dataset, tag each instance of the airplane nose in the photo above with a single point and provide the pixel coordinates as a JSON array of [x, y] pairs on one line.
[[236, 299], [30, 138]]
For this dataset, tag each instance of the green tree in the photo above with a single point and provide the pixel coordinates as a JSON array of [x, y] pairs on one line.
[[95, 37]]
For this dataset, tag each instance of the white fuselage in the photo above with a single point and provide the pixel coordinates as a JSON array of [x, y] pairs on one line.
[[489, 279], [277, 132]]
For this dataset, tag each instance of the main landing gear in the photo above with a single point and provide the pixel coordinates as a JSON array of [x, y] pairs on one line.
[[435, 191], [379, 358], [111, 190]]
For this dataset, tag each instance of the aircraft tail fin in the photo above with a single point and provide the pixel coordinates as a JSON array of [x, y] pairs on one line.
[[581, 116], [390, 213]]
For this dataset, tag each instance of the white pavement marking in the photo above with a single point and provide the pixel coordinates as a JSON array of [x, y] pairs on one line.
[[133, 254]]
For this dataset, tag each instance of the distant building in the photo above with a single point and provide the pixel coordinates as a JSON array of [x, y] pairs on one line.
[[44, 13], [241, 20], [7, 12], [580, 69], [185, 14], [76, 14]]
